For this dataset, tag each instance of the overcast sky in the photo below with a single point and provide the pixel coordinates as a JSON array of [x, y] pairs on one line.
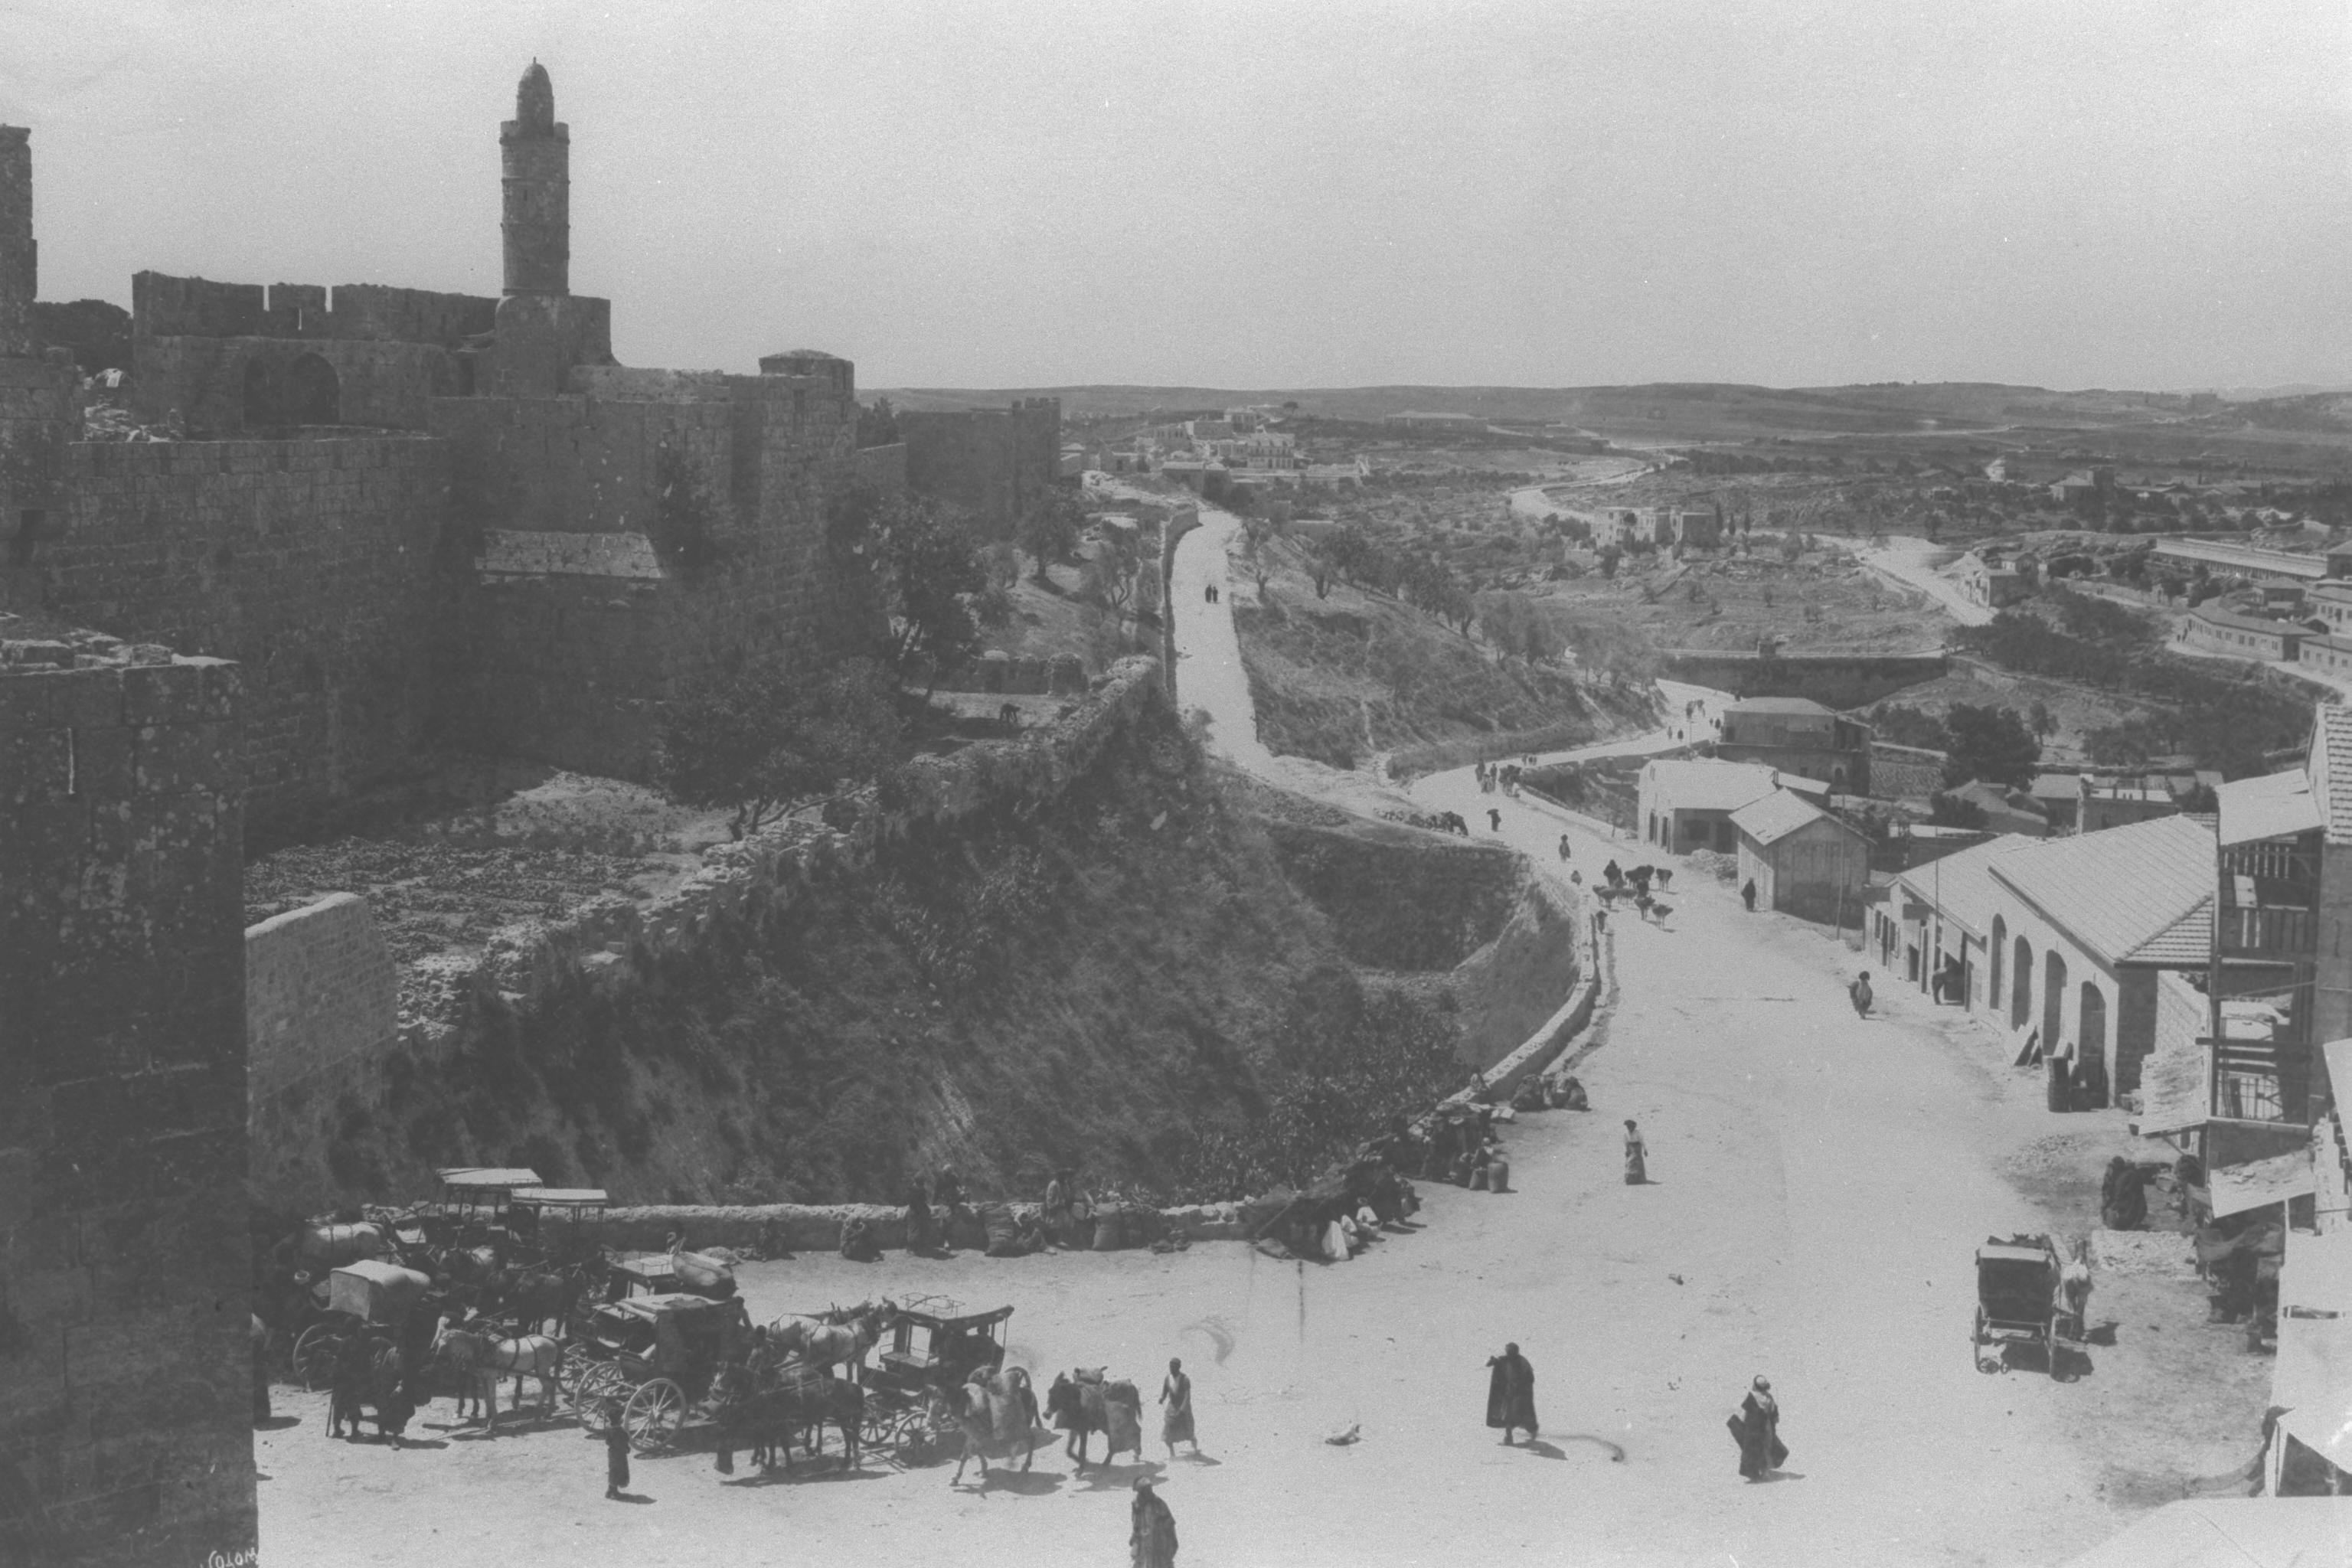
[[2072, 194]]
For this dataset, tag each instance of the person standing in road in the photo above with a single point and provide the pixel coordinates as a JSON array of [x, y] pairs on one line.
[[1748, 895], [1152, 1529], [1511, 1394], [1756, 1427], [1637, 1156], [1494, 820], [1860, 993], [616, 1450], [1176, 1423], [1564, 847]]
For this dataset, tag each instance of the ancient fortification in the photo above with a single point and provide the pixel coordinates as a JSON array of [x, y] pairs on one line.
[[360, 523]]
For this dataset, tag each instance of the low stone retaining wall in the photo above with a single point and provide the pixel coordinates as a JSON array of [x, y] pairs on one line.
[[817, 1228]]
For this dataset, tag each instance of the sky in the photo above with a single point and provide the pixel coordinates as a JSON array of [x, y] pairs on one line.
[[1249, 193]]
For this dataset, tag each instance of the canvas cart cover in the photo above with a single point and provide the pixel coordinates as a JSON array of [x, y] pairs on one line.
[[376, 1292], [2318, 1277], [2312, 1382], [488, 1177], [2232, 1532], [2258, 1183]]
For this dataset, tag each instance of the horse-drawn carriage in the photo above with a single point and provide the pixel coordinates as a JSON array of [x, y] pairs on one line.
[[366, 1299], [2028, 1293], [656, 1355], [911, 1372], [559, 1223]]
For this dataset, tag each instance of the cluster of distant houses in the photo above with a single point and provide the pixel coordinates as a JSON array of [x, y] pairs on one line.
[[1236, 453]]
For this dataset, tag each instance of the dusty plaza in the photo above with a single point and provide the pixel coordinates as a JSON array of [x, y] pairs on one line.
[[1529, 784]]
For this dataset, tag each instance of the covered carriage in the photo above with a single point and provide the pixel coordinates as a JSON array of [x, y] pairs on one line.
[[920, 1357], [2023, 1297], [368, 1298], [656, 1355]]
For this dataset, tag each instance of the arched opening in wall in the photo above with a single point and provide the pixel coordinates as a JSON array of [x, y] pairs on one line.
[[2020, 997], [313, 392], [2092, 1045], [1995, 952], [260, 394], [2053, 1001]]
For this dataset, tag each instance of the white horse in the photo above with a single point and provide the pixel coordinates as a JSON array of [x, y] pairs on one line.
[[490, 1361]]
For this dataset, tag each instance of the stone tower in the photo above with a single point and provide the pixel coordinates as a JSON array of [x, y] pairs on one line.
[[536, 157], [18, 283]]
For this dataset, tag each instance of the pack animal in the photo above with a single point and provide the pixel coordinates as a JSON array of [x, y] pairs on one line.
[[998, 1413], [1083, 1403], [487, 1360], [368, 1378]]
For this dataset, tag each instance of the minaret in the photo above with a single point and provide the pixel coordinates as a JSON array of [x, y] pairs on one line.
[[536, 154], [18, 274]]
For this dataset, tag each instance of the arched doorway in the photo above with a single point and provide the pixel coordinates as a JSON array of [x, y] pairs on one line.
[[313, 393], [2053, 1001], [260, 401], [1993, 955], [2021, 998], [2092, 1045]]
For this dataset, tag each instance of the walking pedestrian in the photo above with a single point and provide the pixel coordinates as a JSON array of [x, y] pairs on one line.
[[1511, 1394], [1494, 820], [1176, 1423], [1860, 993], [1152, 1529], [920, 1237], [1637, 1162], [1748, 895], [616, 1449], [1564, 847], [1756, 1427]]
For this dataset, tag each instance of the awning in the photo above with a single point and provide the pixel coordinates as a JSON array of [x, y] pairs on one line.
[[2312, 1382], [2261, 1183], [2233, 1532], [2317, 1273], [2175, 1093]]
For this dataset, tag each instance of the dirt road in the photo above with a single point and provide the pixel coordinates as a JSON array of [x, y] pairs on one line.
[[1904, 559], [1819, 1185]]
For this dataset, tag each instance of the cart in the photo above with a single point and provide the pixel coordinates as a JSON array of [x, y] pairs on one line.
[[908, 1374], [656, 1355], [559, 1223], [2021, 1301], [478, 1194], [368, 1298]]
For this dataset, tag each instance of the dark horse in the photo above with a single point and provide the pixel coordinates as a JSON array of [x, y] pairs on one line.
[[1083, 1403], [369, 1377], [802, 1400]]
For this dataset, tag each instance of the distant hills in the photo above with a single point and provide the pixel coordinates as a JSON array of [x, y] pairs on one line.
[[1684, 410]]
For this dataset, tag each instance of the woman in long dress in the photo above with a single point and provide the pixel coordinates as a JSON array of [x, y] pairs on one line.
[[1152, 1529], [1757, 1429], [1176, 1424], [1637, 1165]]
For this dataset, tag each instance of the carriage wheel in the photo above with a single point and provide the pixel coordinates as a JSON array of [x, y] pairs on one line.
[[878, 1427], [315, 1353], [593, 1384], [653, 1413]]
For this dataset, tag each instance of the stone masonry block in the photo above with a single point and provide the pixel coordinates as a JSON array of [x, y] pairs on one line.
[[162, 694], [34, 767]]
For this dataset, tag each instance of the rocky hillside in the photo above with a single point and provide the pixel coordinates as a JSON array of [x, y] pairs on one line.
[[1128, 979]]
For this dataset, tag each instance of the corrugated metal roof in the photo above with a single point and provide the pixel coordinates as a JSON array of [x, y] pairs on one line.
[[1780, 704], [1776, 815], [2125, 888], [2330, 767], [2267, 806], [2213, 614], [1702, 785]]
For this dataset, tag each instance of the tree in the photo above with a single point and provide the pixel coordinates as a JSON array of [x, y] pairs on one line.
[[878, 425], [1049, 531], [2041, 720], [1611, 555], [1954, 811], [930, 575], [1320, 568], [756, 737], [1989, 743]]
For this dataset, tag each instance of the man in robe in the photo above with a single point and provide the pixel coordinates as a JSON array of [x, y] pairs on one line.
[[1176, 1422], [1511, 1394], [1757, 1429], [1152, 1533]]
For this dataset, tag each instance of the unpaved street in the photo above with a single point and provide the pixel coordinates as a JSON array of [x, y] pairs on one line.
[[1819, 1185]]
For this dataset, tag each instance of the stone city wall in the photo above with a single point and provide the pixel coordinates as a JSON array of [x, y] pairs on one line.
[[309, 563], [321, 1001], [125, 1401], [993, 463]]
